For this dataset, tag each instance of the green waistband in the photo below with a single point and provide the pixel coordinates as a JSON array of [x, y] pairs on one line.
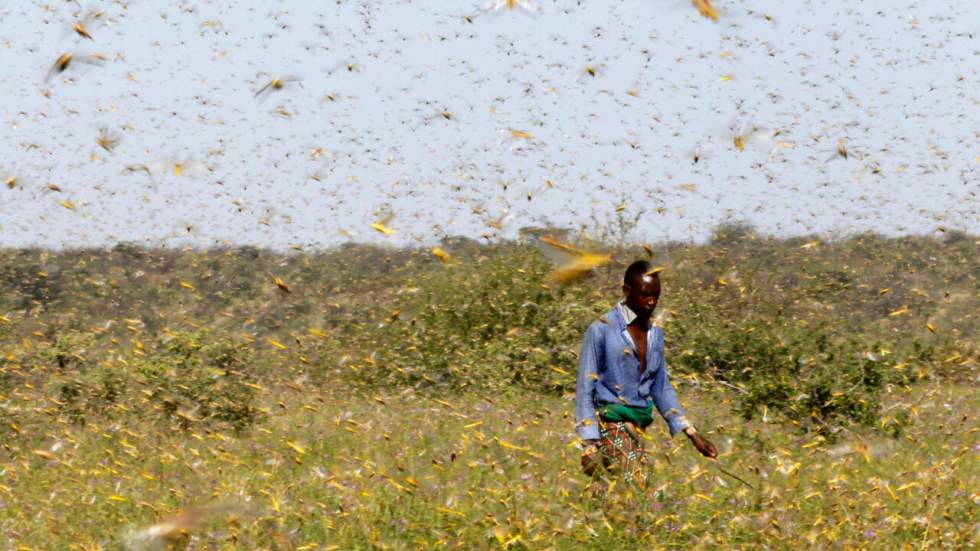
[[622, 412]]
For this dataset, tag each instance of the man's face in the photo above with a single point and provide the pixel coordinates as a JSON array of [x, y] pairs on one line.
[[642, 295]]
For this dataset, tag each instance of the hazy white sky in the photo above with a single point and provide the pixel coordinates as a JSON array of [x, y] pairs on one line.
[[316, 162]]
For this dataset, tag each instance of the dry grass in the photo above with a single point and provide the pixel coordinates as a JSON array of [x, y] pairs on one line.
[[401, 471]]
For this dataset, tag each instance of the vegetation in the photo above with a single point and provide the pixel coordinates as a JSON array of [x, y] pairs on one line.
[[370, 397]]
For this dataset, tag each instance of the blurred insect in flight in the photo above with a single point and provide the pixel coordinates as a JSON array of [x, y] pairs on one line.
[[592, 71], [706, 9], [277, 84], [571, 263], [746, 133], [173, 530], [517, 138], [83, 24], [67, 59], [346, 66], [497, 5], [106, 140], [385, 216]]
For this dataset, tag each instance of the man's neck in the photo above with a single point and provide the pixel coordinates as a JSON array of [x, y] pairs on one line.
[[639, 320]]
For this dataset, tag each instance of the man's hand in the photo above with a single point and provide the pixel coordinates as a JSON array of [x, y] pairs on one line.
[[706, 448]]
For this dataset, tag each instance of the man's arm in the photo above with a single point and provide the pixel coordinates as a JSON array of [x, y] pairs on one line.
[[665, 398], [588, 373]]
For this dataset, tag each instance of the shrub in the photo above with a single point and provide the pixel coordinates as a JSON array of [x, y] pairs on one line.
[[492, 323], [79, 384], [189, 377], [193, 377], [97, 390], [800, 371]]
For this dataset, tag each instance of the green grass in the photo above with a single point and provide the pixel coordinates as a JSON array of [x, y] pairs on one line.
[[402, 471]]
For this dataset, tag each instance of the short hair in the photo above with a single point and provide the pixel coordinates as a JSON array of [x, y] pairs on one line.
[[637, 270]]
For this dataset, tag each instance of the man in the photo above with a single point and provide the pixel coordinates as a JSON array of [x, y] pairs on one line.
[[622, 375]]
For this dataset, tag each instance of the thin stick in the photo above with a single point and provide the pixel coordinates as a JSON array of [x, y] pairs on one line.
[[736, 477], [738, 388]]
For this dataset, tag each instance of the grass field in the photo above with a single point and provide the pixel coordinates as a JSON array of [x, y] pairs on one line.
[[390, 399], [400, 471]]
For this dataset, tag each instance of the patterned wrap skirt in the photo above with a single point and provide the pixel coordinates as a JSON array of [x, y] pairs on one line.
[[622, 454]]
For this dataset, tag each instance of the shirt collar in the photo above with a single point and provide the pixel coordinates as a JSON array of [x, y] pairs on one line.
[[628, 314]]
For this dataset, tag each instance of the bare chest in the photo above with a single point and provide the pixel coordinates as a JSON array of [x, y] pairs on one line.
[[639, 337]]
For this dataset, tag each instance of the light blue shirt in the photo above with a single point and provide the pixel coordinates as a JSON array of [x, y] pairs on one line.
[[609, 372]]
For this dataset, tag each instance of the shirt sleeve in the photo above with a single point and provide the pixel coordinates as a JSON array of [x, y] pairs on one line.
[[586, 422], [664, 397]]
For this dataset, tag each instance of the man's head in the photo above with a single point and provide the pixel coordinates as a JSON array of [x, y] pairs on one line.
[[641, 288]]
